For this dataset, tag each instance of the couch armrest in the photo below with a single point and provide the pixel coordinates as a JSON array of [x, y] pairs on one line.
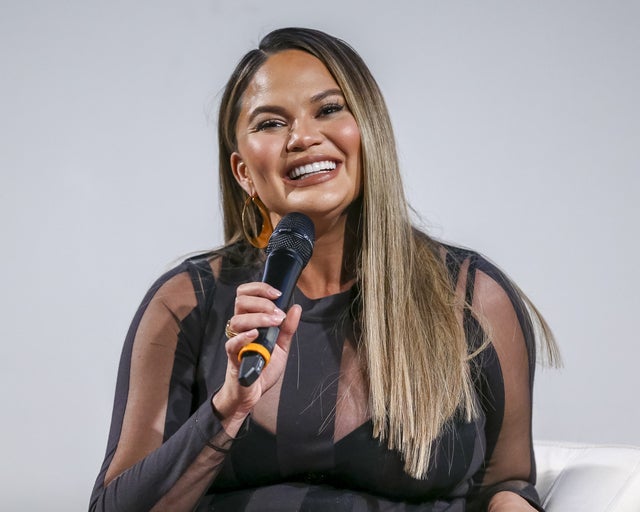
[[588, 477]]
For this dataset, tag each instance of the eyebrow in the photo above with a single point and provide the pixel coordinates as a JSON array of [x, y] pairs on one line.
[[271, 109], [322, 95], [274, 109]]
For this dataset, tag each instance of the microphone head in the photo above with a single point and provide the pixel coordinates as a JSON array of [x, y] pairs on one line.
[[294, 232]]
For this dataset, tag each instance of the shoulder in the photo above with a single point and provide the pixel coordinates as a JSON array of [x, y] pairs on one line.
[[485, 281], [228, 263], [485, 287], [193, 280], [174, 292], [495, 301]]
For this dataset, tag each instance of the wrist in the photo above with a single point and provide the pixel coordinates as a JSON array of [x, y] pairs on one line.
[[506, 501], [227, 410]]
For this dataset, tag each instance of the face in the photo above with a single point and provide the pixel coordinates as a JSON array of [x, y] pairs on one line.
[[298, 144]]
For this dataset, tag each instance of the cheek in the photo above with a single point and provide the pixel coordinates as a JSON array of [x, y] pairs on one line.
[[260, 154], [254, 150], [350, 136], [351, 139]]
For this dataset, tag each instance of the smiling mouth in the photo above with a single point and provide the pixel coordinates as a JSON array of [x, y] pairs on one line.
[[304, 171]]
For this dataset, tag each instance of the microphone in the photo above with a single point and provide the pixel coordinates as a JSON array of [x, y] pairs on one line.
[[289, 251]]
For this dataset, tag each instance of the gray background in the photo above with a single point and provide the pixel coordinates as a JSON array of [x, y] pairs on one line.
[[518, 128]]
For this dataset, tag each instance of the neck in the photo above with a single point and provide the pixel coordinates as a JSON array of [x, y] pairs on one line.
[[331, 269]]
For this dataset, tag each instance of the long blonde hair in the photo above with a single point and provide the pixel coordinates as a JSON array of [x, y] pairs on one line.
[[419, 358]]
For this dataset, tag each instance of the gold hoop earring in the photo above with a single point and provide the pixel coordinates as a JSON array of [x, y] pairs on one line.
[[261, 240]]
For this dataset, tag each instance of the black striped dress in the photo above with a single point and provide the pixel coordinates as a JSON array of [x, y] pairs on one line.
[[308, 445]]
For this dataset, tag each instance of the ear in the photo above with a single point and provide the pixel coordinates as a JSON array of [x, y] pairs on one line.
[[241, 173]]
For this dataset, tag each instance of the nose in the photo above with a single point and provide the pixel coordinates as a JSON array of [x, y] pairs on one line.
[[303, 134]]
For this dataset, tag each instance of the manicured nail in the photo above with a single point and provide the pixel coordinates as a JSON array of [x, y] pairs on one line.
[[275, 293]]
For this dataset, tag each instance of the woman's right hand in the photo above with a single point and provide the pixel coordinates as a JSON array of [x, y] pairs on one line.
[[254, 308]]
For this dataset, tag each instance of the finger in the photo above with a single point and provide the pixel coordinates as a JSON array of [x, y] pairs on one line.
[[290, 323], [289, 326], [253, 304], [235, 344], [248, 321], [259, 289], [287, 329]]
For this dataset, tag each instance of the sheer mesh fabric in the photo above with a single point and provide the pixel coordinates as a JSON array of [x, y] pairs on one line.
[[350, 409], [308, 444], [512, 457]]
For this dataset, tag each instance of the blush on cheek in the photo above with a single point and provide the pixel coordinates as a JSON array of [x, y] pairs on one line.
[[350, 133], [257, 146], [259, 155]]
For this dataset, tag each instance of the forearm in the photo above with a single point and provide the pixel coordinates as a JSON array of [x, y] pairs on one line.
[[506, 501], [190, 458]]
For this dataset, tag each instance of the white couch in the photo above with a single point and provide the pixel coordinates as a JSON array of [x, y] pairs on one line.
[[587, 477]]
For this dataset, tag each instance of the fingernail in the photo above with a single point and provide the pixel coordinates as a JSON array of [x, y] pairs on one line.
[[275, 293], [278, 315]]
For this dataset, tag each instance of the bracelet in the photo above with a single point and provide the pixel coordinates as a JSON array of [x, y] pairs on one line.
[[203, 436], [217, 448]]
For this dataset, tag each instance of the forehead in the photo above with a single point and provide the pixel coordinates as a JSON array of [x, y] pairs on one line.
[[290, 74]]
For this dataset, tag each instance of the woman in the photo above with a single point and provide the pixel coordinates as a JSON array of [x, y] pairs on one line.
[[402, 376]]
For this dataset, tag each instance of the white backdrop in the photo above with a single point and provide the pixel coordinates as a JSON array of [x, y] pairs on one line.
[[518, 128]]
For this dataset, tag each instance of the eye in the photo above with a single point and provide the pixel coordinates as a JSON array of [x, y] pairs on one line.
[[268, 124], [330, 108]]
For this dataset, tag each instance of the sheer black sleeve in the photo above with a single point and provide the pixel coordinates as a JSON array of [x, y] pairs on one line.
[[163, 451], [504, 379]]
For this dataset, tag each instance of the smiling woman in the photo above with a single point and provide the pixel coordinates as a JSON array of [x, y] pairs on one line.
[[401, 378], [298, 145]]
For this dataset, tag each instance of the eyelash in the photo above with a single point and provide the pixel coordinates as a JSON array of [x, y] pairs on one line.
[[269, 123], [330, 108], [325, 110]]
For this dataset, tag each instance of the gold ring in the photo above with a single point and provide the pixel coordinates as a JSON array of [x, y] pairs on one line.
[[229, 331]]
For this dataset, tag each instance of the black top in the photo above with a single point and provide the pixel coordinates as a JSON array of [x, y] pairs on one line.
[[308, 445]]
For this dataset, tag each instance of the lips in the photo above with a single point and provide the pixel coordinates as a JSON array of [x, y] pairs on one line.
[[303, 171]]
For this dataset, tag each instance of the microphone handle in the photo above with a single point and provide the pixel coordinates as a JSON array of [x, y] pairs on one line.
[[282, 270]]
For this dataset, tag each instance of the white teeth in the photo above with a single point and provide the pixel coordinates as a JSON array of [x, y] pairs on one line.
[[303, 170]]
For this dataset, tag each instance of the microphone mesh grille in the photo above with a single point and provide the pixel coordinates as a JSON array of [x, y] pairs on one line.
[[295, 232]]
